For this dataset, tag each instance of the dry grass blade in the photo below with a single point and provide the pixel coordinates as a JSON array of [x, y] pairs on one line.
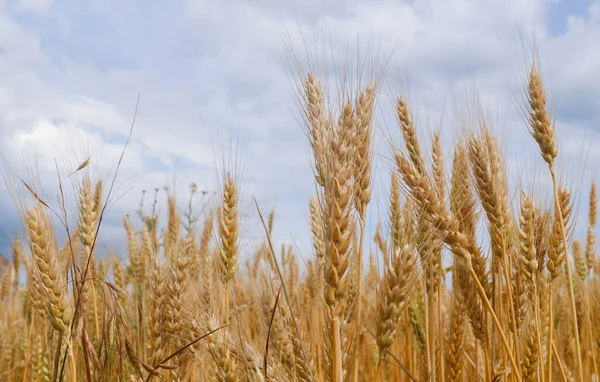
[[83, 165], [398, 361], [163, 365], [265, 363], [35, 195], [282, 279]]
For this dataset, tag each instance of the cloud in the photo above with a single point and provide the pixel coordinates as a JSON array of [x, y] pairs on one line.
[[32, 5], [211, 73]]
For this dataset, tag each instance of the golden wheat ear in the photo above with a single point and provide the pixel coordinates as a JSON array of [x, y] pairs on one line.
[[590, 245], [394, 294], [46, 259], [540, 122]]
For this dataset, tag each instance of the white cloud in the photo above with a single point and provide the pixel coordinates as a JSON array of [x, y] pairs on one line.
[[33, 5], [214, 72]]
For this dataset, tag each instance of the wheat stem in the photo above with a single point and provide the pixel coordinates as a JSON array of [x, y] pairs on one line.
[[550, 335], [569, 274], [441, 333], [563, 374], [511, 305], [337, 371], [497, 323], [359, 302]]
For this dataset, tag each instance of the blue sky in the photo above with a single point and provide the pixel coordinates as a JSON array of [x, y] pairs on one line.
[[211, 72]]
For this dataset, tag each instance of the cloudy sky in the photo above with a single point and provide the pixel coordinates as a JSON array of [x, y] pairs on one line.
[[214, 72]]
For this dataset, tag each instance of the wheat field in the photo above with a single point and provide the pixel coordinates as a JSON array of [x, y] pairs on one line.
[[465, 282]]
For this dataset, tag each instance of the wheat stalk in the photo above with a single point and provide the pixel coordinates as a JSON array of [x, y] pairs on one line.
[[542, 130]]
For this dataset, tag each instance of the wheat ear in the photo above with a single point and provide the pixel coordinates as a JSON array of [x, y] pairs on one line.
[[45, 255], [228, 233], [541, 127], [362, 193]]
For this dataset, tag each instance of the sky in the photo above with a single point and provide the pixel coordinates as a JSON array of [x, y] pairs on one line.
[[216, 85]]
